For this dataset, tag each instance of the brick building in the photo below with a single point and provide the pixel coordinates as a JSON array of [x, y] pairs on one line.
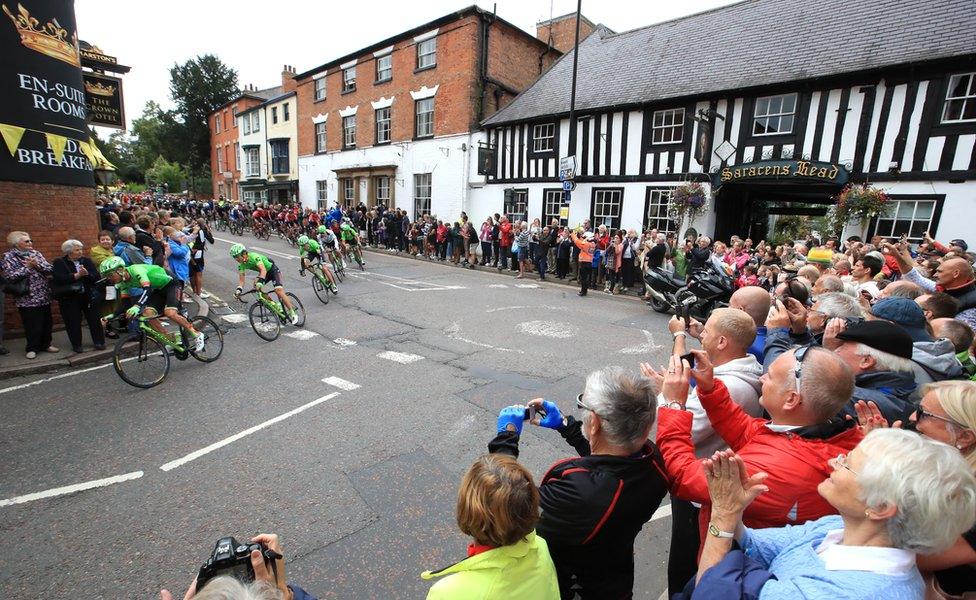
[[396, 123], [560, 32]]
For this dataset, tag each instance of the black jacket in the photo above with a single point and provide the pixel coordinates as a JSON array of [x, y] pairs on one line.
[[143, 238], [63, 274], [593, 506]]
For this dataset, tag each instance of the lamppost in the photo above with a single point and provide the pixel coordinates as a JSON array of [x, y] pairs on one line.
[[104, 176]]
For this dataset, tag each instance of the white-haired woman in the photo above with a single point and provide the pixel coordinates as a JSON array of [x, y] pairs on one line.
[[74, 286], [26, 272], [897, 493]]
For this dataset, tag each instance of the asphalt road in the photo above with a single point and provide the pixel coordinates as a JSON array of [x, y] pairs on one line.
[[358, 473]]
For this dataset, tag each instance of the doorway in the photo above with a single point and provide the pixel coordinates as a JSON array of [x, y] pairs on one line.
[[754, 209]]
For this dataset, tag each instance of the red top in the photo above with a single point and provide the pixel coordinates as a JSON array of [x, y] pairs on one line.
[[474, 549]]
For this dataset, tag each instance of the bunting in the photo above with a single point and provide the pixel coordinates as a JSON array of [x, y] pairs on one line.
[[11, 136], [14, 134], [56, 143]]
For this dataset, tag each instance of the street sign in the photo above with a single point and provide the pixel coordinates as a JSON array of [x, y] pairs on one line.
[[567, 167], [569, 185], [564, 212]]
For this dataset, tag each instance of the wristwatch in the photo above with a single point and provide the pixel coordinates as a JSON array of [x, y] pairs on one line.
[[674, 405], [713, 530], [677, 333]]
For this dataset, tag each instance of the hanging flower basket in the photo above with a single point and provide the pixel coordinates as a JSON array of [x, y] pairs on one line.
[[688, 201], [857, 203]]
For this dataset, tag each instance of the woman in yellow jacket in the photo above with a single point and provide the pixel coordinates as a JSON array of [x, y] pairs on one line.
[[498, 506]]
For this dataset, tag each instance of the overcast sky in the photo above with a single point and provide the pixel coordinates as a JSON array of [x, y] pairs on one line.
[[258, 38]]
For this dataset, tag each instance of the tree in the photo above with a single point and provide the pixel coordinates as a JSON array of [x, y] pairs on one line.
[[198, 87], [119, 150], [163, 171], [156, 133]]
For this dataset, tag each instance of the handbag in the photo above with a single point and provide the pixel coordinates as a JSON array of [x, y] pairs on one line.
[[64, 290], [17, 287]]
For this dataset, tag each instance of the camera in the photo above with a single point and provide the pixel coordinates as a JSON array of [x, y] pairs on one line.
[[232, 558]]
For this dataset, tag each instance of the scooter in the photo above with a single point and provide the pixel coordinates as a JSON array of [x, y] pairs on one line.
[[707, 288]]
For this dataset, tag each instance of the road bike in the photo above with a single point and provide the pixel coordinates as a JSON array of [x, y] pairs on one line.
[[141, 358], [268, 316], [237, 227], [337, 267], [320, 283], [357, 253]]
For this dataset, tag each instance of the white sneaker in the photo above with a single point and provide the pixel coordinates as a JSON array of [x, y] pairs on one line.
[[198, 343], [294, 318], [345, 265], [205, 294], [32, 355], [188, 300]]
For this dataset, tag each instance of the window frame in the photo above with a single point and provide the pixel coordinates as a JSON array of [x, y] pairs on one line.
[[256, 122], [794, 115], [966, 99], [234, 112], [385, 201], [416, 196], [248, 173], [237, 157], [275, 160], [421, 55], [895, 199], [217, 123], [285, 112], [274, 115], [389, 78], [389, 125], [416, 120], [672, 127], [671, 225], [345, 132], [553, 139], [322, 192], [520, 197], [320, 148], [620, 207], [221, 158], [550, 194], [316, 90], [348, 198], [349, 83], [246, 119]]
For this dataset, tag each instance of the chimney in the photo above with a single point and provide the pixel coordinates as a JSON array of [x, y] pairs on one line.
[[288, 83], [563, 30]]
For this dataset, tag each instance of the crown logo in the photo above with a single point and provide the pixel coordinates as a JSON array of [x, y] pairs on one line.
[[50, 39], [98, 89]]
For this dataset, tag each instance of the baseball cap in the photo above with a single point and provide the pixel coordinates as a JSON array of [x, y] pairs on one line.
[[905, 313], [961, 243], [880, 335]]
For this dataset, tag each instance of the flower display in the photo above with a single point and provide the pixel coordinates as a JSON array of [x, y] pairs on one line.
[[857, 202]]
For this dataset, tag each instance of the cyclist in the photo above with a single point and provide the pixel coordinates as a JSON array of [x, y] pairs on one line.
[[157, 290], [350, 237], [330, 243], [309, 250], [266, 270]]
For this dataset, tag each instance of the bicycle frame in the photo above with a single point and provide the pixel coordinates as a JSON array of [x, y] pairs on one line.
[[163, 339], [272, 305]]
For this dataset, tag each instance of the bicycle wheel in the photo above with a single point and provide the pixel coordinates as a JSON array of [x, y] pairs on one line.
[[141, 361], [213, 339], [337, 268], [299, 307], [320, 291], [264, 322], [359, 259]]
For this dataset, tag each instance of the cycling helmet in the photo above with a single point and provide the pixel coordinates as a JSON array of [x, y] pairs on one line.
[[110, 264], [237, 249], [302, 240], [323, 229], [346, 227]]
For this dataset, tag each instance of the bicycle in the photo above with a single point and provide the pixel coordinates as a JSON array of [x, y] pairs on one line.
[[237, 227], [357, 253], [141, 358], [320, 283], [267, 316], [337, 267]]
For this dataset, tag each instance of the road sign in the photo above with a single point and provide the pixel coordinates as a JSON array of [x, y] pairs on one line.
[[567, 167], [569, 185]]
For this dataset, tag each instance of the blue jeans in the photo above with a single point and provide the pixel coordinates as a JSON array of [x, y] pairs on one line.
[[542, 265]]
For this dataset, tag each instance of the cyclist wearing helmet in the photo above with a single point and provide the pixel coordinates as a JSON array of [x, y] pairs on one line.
[[156, 290], [309, 250], [350, 237], [267, 270], [330, 243]]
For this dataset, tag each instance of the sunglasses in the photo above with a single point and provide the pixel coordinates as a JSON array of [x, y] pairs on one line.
[[582, 406], [799, 355], [921, 413], [844, 461]]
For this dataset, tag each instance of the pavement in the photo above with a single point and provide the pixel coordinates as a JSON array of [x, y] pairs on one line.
[[347, 437]]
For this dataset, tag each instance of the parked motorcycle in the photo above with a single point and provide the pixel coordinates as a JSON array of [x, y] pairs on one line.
[[707, 288]]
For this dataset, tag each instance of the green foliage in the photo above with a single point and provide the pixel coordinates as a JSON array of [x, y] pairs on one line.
[[166, 172], [199, 86]]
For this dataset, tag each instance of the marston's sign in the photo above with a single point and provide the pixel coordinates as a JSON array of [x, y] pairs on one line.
[[782, 170]]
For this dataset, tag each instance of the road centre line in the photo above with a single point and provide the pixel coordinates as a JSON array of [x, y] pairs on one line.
[[342, 384], [71, 489], [228, 440]]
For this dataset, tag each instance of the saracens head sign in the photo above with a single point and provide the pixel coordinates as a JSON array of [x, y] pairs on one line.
[[782, 171]]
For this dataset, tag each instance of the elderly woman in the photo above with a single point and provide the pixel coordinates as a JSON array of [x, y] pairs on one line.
[[498, 506], [179, 255], [593, 505], [897, 493], [27, 271], [74, 286]]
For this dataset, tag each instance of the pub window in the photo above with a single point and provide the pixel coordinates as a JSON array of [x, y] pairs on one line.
[[427, 53], [255, 121], [348, 192], [773, 115], [543, 136], [552, 201], [349, 132], [906, 217], [421, 194], [425, 117], [279, 157], [322, 192], [274, 114], [606, 208], [383, 125], [656, 211], [382, 186], [668, 126], [320, 89], [384, 68], [960, 103], [516, 204], [253, 165], [349, 79], [320, 138], [284, 110]]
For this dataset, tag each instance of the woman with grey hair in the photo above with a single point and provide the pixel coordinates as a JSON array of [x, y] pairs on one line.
[[26, 272], [75, 276], [593, 505], [898, 495]]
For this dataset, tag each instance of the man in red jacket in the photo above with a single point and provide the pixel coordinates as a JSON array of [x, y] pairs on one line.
[[802, 392]]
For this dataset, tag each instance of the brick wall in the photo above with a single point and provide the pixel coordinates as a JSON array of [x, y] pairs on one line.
[[514, 60], [564, 31], [227, 137], [51, 214]]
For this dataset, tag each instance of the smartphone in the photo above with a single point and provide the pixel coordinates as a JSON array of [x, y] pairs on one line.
[[690, 357], [531, 412]]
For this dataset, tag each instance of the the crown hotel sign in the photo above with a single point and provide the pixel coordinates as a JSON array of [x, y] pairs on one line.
[[104, 99], [44, 108]]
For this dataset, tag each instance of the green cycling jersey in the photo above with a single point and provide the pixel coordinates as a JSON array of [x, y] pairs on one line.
[[349, 234], [252, 262], [312, 247], [143, 276]]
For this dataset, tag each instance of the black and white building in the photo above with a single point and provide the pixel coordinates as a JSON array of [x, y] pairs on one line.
[[772, 104]]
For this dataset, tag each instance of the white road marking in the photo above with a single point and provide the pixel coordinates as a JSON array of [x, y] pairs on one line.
[[402, 283], [454, 332], [526, 285], [217, 445], [301, 334], [342, 384], [234, 318], [401, 357], [662, 512], [553, 329], [71, 489], [497, 285], [343, 342], [644, 348], [259, 249], [63, 375], [544, 307]]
